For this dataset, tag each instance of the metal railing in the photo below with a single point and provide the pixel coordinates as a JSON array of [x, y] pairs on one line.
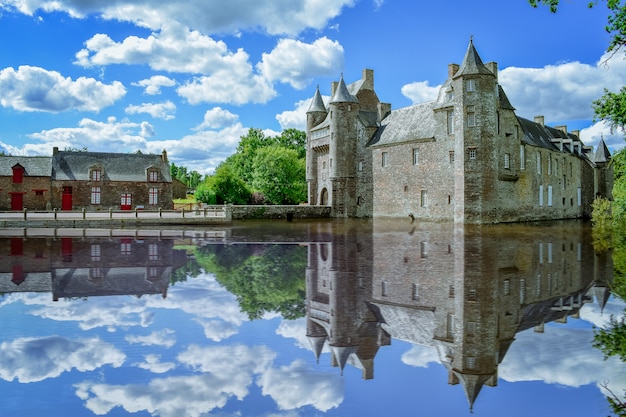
[[25, 214]]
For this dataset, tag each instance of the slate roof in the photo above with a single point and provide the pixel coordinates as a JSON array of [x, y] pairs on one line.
[[602, 153], [34, 166], [74, 166], [317, 104], [406, 124], [472, 64], [342, 95]]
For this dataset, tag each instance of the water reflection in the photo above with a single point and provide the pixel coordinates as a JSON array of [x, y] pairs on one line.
[[373, 302]]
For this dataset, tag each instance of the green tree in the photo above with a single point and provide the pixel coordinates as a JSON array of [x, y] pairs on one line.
[[242, 162], [280, 175], [264, 278], [293, 139], [224, 186]]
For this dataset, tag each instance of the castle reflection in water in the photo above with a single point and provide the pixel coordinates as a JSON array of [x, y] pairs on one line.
[[463, 290]]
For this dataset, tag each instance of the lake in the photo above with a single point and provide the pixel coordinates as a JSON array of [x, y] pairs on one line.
[[306, 318]]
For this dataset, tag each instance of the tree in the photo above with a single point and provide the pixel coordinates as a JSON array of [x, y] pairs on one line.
[[611, 107], [223, 187], [278, 174]]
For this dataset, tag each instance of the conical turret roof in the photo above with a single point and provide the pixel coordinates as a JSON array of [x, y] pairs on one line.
[[602, 152], [472, 64], [342, 95], [317, 104]]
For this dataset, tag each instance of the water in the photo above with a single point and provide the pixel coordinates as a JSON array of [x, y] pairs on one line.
[[336, 318]]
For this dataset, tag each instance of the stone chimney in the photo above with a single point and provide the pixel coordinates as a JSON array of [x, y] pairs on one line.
[[452, 69], [368, 77], [562, 128], [333, 87], [164, 156], [540, 120], [55, 150], [493, 67], [383, 110], [576, 133]]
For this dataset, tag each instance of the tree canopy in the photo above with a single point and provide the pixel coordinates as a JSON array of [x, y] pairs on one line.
[[264, 169]]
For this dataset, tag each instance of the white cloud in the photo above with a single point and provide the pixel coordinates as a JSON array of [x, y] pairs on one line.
[[297, 118], [217, 330], [591, 136], [274, 17], [297, 63], [164, 110], [561, 92], [36, 89], [153, 364], [36, 359], [153, 84], [235, 86], [420, 356], [420, 91], [216, 118], [165, 338], [321, 391]]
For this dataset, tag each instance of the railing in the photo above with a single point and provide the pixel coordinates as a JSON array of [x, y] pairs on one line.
[[195, 213]]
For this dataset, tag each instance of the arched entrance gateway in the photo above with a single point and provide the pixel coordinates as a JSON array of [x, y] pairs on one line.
[[324, 197]]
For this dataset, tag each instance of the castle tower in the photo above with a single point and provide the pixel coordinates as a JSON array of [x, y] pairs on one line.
[[343, 109], [314, 116], [475, 130]]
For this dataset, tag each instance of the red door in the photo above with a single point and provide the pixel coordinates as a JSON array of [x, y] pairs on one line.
[[127, 201], [17, 201], [66, 199]]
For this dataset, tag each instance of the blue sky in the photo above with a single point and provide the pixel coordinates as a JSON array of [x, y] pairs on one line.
[[192, 77]]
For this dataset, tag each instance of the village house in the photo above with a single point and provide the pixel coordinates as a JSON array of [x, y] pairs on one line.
[[465, 157], [71, 180]]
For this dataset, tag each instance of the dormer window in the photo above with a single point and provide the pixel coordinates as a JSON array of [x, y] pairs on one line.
[[470, 85], [153, 176], [96, 175], [18, 174]]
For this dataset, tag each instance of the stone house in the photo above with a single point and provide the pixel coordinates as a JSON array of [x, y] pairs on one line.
[[465, 157], [86, 180], [24, 182]]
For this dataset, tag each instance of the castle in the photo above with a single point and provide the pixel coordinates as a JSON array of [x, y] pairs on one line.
[[465, 157]]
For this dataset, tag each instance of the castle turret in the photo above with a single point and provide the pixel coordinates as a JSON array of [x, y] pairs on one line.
[[475, 133], [314, 116]]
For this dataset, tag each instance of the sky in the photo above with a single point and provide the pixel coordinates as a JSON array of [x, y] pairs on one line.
[[192, 77]]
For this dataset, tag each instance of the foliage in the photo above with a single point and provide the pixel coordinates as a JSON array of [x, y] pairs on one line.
[[190, 179], [611, 107], [223, 187], [272, 169], [616, 21], [264, 278], [277, 175]]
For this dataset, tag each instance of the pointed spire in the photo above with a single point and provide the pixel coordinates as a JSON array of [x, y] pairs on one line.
[[602, 152], [317, 103], [342, 95], [472, 64], [317, 344], [341, 354]]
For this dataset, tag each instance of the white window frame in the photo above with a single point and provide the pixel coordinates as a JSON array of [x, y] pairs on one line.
[[415, 156], [507, 161], [384, 159], [96, 195], [470, 112], [522, 157]]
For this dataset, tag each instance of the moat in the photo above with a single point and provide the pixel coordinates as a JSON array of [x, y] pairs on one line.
[[306, 318]]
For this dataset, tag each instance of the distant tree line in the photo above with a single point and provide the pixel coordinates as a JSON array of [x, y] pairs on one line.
[[190, 179], [263, 170]]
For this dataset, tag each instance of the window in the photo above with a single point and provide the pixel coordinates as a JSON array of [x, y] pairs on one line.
[[96, 175], [153, 176], [470, 85], [522, 157], [385, 159], [538, 163], [540, 195], [383, 288], [125, 247], [96, 253], [471, 294], [507, 161], [153, 252], [549, 164], [360, 166], [451, 155], [450, 122], [507, 287], [415, 156], [549, 196], [95, 195], [451, 291], [472, 153], [416, 292], [18, 174], [423, 250], [470, 362], [153, 196], [423, 198], [471, 116]]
